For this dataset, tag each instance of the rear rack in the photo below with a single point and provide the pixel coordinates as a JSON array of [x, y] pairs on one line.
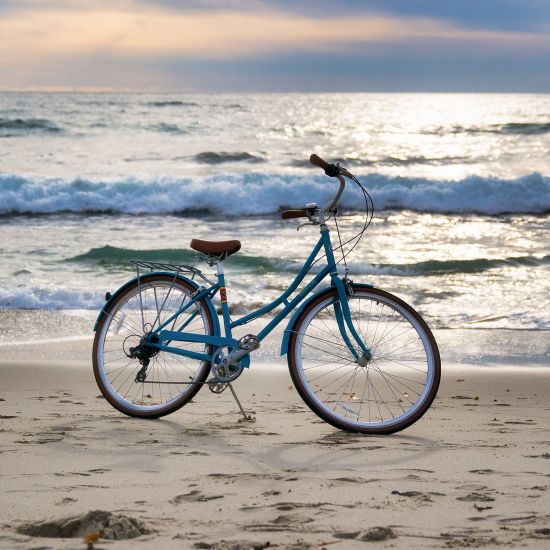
[[177, 268]]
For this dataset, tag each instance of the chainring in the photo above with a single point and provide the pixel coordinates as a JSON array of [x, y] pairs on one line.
[[221, 370]]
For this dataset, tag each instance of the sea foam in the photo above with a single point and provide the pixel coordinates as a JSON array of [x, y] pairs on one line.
[[259, 193]]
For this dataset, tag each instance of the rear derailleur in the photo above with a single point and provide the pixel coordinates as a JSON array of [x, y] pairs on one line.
[[143, 353]]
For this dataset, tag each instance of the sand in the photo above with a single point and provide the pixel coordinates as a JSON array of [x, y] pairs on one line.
[[473, 472]]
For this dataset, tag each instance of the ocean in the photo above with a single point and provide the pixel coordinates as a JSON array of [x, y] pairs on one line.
[[460, 183]]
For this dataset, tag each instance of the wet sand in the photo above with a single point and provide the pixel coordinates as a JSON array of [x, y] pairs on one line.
[[473, 472]]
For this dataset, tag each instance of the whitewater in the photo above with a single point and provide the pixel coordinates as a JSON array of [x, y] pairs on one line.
[[257, 193], [460, 182]]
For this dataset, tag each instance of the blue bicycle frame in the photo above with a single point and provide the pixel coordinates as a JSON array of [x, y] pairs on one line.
[[160, 337]]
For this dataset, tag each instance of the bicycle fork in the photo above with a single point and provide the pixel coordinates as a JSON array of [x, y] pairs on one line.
[[361, 352]]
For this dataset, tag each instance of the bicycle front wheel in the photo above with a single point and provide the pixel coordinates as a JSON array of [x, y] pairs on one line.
[[170, 380], [380, 394]]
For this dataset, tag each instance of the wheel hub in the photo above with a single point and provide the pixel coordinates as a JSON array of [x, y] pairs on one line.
[[364, 359]]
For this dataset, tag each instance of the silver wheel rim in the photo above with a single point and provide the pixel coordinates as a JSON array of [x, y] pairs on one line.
[[386, 392], [170, 376]]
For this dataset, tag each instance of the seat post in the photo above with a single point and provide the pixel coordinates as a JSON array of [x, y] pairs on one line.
[[223, 298]]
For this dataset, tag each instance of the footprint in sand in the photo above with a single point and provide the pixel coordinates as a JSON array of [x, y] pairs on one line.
[[282, 523], [67, 500], [476, 497], [237, 544], [194, 496], [418, 496], [374, 534]]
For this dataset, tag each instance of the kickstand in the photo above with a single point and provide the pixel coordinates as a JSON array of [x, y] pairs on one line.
[[246, 416]]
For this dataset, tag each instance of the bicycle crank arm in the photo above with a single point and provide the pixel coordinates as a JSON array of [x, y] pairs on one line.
[[247, 344]]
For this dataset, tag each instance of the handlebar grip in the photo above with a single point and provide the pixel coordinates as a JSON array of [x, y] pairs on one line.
[[290, 214], [330, 169], [318, 161]]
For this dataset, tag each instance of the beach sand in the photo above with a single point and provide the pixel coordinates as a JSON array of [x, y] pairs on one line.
[[473, 472]]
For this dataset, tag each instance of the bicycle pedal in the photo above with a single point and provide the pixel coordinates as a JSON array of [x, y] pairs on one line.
[[216, 386], [250, 342]]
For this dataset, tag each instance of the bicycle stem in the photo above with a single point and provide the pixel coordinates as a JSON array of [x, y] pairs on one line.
[[333, 205]]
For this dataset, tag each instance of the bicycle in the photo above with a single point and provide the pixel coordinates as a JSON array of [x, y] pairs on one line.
[[361, 358]]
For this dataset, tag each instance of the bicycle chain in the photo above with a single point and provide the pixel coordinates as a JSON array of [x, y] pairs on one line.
[[215, 386]]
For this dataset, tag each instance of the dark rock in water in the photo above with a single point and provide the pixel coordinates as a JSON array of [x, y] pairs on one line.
[[379, 533], [112, 526]]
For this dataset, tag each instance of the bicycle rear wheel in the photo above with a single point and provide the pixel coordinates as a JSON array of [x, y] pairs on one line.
[[171, 380], [378, 395]]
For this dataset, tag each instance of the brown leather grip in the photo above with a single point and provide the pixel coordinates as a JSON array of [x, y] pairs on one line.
[[318, 161], [290, 214]]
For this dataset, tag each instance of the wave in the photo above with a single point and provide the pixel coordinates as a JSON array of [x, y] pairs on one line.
[[233, 106], [525, 128], [172, 103], [107, 256], [167, 128], [209, 157], [392, 161], [258, 193], [20, 125], [511, 128], [47, 298], [449, 267]]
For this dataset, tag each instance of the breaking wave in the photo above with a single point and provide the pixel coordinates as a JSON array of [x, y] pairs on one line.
[[258, 193], [47, 298]]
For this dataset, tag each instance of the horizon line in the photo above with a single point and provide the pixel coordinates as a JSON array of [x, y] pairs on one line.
[[107, 90]]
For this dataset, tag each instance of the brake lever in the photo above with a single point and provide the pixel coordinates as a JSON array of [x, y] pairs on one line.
[[312, 221], [304, 224], [346, 172]]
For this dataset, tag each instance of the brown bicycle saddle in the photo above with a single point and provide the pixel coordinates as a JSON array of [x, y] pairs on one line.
[[216, 248]]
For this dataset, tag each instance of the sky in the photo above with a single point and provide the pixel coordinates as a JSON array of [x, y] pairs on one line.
[[276, 45]]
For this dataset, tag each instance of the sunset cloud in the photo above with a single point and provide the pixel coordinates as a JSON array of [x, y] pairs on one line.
[[136, 30], [36, 33]]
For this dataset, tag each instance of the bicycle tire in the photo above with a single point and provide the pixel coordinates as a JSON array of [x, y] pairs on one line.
[[187, 389], [310, 392]]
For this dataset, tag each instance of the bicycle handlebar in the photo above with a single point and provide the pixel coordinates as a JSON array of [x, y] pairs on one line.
[[331, 170], [296, 213], [318, 161]]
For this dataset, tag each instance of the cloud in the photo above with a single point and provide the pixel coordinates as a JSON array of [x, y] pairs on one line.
[[147, 43], [132, 29]]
